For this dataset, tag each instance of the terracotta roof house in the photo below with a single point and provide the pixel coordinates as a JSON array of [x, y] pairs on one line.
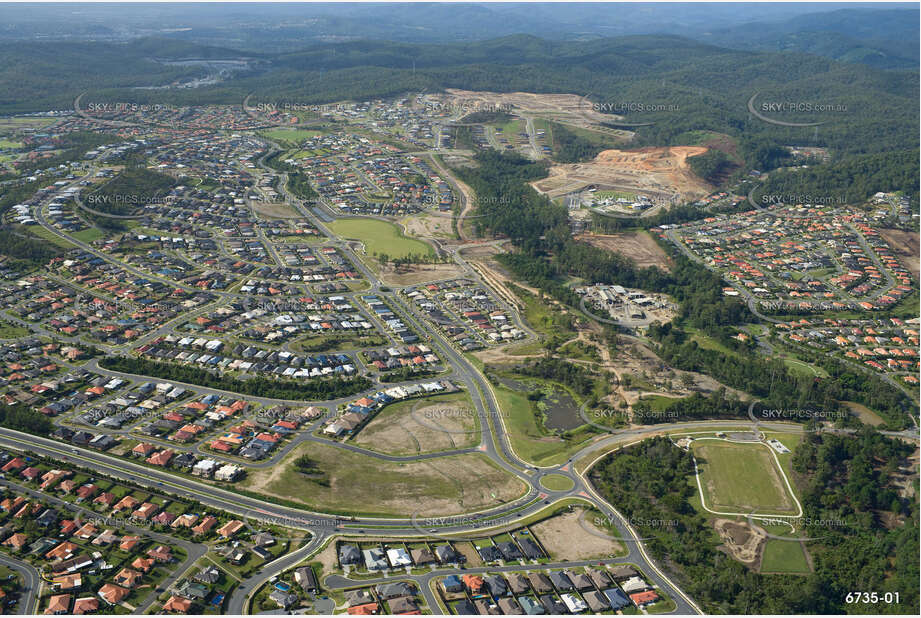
[[164, 518], [230, 528], [112, 594], [68, 526], [15, 463], [71, 581], [644, 598], [368, 609], [144, 449], [160, 459], [146, 510], [17, 541], [177, 604], [86, 605], [128, 502], [58, 604], [64, 551], [205, 525], [31, 473], [128, 578], [161, 554], [129, 542], [105, 498], [474, 583], [142, 564]]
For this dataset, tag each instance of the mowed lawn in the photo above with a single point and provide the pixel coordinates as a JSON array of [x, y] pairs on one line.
[[379, 237], [741, 478], [784, 557]]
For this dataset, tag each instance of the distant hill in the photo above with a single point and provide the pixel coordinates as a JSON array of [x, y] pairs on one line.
[[277, 27], [703, 86], [886, 39]]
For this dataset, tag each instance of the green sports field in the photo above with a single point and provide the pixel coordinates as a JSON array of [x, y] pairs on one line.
[[782, 556], [294, 136], [379, 237], [741, 478]]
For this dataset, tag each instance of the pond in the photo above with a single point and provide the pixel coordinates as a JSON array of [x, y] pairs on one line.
[[561, 411]]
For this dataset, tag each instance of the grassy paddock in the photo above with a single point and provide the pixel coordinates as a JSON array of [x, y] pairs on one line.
[[379, 237]]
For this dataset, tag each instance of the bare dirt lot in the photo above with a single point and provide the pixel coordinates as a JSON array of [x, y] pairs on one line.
[[428, 225], [560, 107], [742, 541], [639, 246], [276, 210], [905, 245], [419, 273], [660, 173], [565, 537], [422, 427]]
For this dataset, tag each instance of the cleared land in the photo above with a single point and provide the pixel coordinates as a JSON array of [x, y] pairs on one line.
[[428, 225], [741, 478], [567, 537], [426, 425], [12, 331], [275, 211], [639, 246], [906, 246], [570, 108], [661, 173], [359, 484], [801, 368], [413, 274], [865, 414], [741, 540], [379, 237]]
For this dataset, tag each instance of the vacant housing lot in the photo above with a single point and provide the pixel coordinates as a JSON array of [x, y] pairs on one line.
[[638, 246], [422, 426], [906, 246], [343, 481]]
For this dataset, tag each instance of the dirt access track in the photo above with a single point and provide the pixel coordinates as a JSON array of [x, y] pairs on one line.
[[661, 173]]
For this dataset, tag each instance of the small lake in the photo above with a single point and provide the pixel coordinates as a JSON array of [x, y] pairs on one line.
[[561, 410]]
